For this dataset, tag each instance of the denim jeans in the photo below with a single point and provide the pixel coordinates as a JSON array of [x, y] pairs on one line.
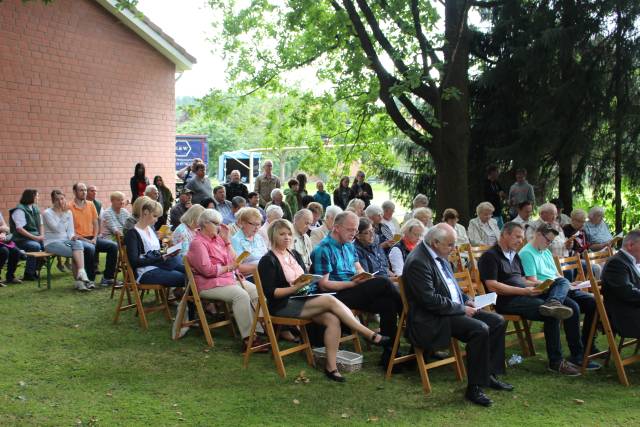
[[30, 246], [158, 276], [102, 245]]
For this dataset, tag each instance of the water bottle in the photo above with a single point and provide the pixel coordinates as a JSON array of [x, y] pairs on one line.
[[515, 359]]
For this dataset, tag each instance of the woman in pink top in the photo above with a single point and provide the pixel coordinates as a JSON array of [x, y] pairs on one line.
[[214, 266]]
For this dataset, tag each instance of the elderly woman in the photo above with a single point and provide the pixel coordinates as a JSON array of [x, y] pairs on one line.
[[425, 216], [420, 201], [186, 231], [574, 232], [450, 216], [279, 269], [317, 211], [247, 239], [60, 239], [113, 219], [597, 231], [212, 260], [277, 199], [412, 231], [143, 250], [9, 254], [320, 233], [27, 229], [301, 241], [165, 198], [383, 235], [343, 194], [370, 254], [356, 206], [483, 229], [388, 209], [273, 213]]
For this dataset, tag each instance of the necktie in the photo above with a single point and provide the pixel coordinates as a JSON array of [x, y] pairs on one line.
[[447, 270]]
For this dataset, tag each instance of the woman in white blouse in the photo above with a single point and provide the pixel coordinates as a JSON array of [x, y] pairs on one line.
[[60, 238], [483, 230], [450, 216]]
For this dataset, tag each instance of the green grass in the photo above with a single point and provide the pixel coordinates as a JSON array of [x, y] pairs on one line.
[[63, 362]]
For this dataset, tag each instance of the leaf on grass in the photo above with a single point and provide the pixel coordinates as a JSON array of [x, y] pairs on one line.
[[178, 413], [20, 397], [344, 415], [302, 378], [578, 401], [109, 394], [206, 350], [175, 405], [22, 384], [391, 411], [296, 402], [525, 403], [373, 419], [76, 326]]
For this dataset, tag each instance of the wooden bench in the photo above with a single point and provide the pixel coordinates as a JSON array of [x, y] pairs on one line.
[[48, 261]]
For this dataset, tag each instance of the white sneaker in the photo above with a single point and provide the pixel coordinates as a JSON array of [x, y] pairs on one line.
[[90, 285], [82, 275], [174, 329], [79, 285]]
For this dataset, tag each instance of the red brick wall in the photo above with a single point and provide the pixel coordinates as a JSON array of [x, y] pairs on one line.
[[82, 98]]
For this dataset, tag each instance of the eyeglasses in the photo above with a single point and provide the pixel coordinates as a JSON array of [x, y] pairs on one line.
[[214, 223], [548, 240], [367, 232], [255, 224]]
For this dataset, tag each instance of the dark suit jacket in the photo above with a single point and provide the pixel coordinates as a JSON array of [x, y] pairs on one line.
[[621, 291], [430, 303]]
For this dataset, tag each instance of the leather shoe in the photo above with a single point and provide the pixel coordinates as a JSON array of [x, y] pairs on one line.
[[496, 384], [385, 341], [335, 376], [474, 394], [257, 341]]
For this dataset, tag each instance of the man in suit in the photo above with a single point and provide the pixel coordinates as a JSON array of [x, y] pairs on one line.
[[621, 287], [439, 310]]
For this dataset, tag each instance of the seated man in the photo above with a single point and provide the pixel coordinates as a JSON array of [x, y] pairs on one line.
[[539, 266], [621, 287], [501, 272], [235, 187], [525, 209], [253, 200], [222, 205], [85, 224], [114, 217], [439, 310], [176, 212], [336, 260]]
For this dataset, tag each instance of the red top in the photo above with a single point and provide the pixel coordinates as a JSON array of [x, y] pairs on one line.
[[141, 186]]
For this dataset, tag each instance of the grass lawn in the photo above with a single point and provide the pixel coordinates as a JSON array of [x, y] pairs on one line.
[[63, 362]]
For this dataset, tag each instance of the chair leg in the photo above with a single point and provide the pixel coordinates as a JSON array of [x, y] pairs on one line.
[[140, 309], [590, 338], [461, 371], [115, 318], [208, 336], [527, 333], [356, 342], [250, 342], [275, 349], [394, 349], [307, 343], [521, 340], [164, 299], [422, 368]]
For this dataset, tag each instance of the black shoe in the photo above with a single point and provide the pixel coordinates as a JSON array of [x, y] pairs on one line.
[[385, 341], [474, 394], [496, 384], [333, 376], [29, 278]]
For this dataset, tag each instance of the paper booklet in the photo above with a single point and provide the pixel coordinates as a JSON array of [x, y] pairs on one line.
[[312, 295], [364, 275], [174, 248], [545, 285], [581, 285], [482, 301], [307, 279], [244, 255]]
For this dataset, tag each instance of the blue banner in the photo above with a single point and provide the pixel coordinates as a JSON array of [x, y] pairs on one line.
[[189, 147]]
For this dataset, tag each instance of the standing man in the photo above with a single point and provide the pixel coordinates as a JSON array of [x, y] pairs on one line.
[[266, 183], [439, 310], [235, 187], [322, 196], [520, 191], [200, 185], [85, 224], [494, 193], [222, 205]]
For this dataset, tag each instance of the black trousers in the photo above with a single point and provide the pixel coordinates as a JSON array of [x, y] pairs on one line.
[[484, 336], [377, 295], [9, 256]]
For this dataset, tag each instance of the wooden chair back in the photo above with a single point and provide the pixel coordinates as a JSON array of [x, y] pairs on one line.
[[571, 263], [474, 253], [191, 295], [268, 321], [596, 258], [455, 259], [465, 283], [135, 290]]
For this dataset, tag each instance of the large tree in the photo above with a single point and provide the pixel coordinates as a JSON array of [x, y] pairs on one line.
[[381, 55]]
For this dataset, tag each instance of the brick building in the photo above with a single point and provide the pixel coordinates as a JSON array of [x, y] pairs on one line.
[[86, 92]]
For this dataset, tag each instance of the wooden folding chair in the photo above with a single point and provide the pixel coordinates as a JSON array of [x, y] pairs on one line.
[[474, 253], [262, 314], [423, 367], [120, 268], [132, 288], [191, 295], [456, 261], [602, 319], [570, 263]]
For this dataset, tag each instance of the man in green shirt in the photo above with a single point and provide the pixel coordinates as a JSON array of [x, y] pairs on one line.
[[539, 266]]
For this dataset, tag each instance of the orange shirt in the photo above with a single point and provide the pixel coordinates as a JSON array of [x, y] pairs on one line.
[[83, 219]]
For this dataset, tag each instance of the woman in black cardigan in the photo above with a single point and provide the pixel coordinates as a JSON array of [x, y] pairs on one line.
[[278, 270]]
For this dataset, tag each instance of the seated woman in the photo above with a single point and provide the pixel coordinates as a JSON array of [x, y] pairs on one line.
[[186, 231], [597, 230], [113, 219], [320, 233], [483, 229], [143, 250], [425, 216], [356, 206], [247, 239], [370, 253], [60, 239], [135, 214], [450, 216], [9, 254], [317, 211], [27, 229], [212, 260], [278, 270], [273, 213], [277, 199], [412, 231], [384, 235]]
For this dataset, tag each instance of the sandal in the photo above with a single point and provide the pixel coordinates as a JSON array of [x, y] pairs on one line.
[[335, 376]]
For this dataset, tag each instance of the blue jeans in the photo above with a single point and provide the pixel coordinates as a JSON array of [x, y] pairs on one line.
[[102, 245], [158, 276], [30, 246]]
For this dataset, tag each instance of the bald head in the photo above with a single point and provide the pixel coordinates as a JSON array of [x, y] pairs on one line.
[[441, 238]]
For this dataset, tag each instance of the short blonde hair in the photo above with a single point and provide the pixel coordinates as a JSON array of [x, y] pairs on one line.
[[190, 217], [484, 206], [246, 214], [116, 195], [136, 209], [151, 206], [424, 215], [352, 206], [275, 227], [316, 208]]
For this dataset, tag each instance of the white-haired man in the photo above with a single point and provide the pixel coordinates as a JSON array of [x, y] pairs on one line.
[[317, 234], [439, 310], [235, 187], [548, 213]]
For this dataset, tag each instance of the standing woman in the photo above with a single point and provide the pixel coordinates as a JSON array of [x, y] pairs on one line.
[[302, 188], [27, 229], [343, 194], [60, 238], [165, 198], [279, 269], [361, 189], [138, 182]]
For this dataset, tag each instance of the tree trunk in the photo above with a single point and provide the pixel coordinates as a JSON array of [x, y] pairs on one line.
[[451, 146], [565, 181]]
